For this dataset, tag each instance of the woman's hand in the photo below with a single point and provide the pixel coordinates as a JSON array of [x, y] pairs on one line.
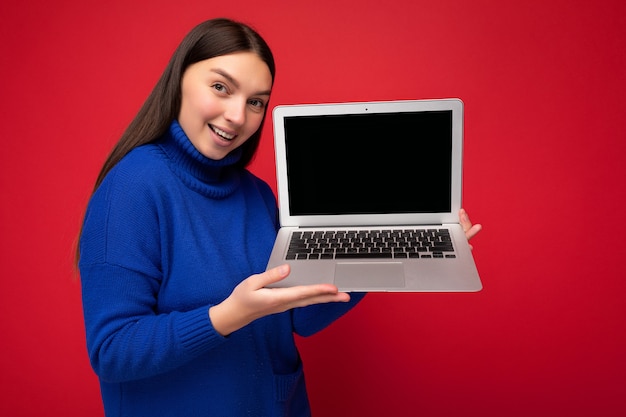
[[251, 299], [469, 229]]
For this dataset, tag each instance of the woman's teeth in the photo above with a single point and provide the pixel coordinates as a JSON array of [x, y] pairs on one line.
[[223, 134]]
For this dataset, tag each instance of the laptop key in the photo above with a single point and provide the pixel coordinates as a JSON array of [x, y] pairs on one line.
[[347, 255]]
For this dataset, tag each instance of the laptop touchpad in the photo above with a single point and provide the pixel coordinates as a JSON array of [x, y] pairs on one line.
[[374, 275]]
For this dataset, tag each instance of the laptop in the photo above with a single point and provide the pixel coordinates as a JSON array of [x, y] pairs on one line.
[[369, 195]]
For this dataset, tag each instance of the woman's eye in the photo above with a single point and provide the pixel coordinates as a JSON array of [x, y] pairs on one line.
[[219, 87], [257, 103]]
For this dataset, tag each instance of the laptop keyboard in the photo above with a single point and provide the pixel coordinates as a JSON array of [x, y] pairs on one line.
[[364, 244]]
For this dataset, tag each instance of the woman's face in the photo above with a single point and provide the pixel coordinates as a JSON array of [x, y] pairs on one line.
[[223, 101]]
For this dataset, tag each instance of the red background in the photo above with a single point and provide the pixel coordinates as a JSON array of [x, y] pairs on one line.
[[543, 83]]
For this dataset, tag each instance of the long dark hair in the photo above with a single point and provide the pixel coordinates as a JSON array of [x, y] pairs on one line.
[[209, 39]]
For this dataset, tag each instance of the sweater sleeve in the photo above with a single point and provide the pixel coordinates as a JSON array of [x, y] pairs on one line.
[[128, 337]]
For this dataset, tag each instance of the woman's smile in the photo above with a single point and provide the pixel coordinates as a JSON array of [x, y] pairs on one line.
[[222, 133]]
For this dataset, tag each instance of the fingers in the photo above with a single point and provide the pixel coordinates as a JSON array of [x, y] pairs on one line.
[[297, 295], [473, 231], [313, 294], [303, 295], [469, 229], [464, 220], [258, 281], [310, 294]]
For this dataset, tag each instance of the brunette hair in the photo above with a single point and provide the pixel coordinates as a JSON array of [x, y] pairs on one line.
[[209, 39]]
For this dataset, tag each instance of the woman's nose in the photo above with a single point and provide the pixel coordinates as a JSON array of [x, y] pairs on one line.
[[236, 112]]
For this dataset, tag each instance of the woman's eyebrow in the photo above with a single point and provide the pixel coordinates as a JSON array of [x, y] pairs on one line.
[[235, 82]]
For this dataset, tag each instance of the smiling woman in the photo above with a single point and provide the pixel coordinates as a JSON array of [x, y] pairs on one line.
[[175, 243], [224, 101]]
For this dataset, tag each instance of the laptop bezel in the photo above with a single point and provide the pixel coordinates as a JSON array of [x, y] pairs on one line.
[[280, 112]]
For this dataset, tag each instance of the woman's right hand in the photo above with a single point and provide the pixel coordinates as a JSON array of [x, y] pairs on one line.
[[251, 300]]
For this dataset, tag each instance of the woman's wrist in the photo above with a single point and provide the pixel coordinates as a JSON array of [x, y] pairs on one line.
[[225, 319]]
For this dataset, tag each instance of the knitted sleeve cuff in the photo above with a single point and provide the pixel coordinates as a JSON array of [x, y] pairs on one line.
[[196, 332]]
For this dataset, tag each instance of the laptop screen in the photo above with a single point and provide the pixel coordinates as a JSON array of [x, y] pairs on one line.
[[372, 163]]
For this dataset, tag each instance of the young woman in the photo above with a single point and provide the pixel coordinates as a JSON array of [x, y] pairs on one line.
[[175, 241]]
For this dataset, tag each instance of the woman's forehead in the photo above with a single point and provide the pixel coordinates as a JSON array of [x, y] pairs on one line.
[[245, 70]]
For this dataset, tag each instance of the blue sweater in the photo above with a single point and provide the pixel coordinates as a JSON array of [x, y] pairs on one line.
[[168, 234]]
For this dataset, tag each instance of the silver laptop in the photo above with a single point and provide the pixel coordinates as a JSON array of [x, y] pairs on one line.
[[369, 195]]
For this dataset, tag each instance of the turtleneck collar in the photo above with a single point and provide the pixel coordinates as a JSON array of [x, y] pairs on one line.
[[215, 179]]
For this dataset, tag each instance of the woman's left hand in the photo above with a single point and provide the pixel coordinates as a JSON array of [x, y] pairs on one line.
[[470, 229]]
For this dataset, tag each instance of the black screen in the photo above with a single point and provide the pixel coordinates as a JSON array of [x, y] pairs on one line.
[[369, 163]]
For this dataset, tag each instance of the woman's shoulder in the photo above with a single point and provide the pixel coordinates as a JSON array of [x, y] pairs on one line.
[[257, 182], [142, 159], [137, 177], [143, 165]]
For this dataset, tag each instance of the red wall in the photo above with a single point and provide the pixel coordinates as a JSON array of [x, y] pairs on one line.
[[543, 83]]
